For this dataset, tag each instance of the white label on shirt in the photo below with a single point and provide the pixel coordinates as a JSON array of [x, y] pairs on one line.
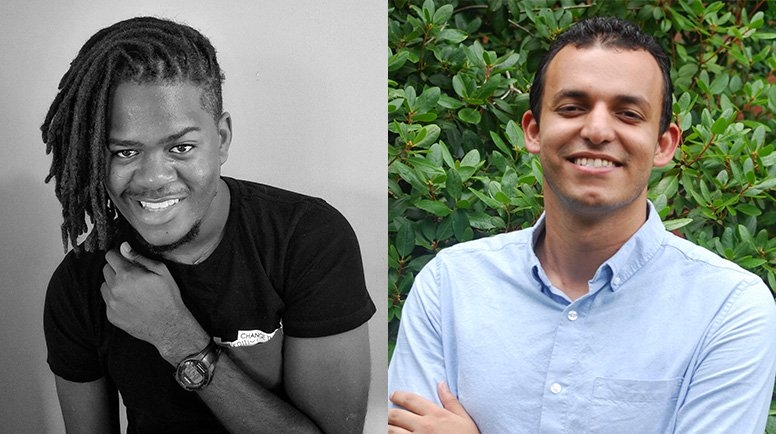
[[247, 338]]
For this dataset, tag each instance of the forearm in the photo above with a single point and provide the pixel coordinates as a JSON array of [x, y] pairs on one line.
[[243, 406], [237, 400]]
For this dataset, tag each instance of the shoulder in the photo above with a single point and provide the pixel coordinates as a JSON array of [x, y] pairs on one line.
[[470, 264], [271, 202], [713, 277], [492, 246], [80, 267], [697, 260], [78, 277]]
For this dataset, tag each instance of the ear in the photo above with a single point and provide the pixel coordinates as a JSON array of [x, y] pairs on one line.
[[666, 145], [224, 126], [531, 132]]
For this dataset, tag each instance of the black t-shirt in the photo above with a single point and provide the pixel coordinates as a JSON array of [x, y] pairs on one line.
[[286, 261]]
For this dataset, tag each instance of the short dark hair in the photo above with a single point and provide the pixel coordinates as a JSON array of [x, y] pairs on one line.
[[75, 131], [608, 32]]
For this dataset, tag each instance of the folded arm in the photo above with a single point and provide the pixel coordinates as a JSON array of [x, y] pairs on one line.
[[326, 378]]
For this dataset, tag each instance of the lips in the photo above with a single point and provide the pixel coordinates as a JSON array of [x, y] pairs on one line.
[[593, 162], [159, 205]]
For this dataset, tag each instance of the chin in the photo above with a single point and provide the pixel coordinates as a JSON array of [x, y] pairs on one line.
[[168, 244]]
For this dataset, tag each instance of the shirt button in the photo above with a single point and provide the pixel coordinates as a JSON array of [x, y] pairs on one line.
[[556, 388], [572, 315], [616, 280]]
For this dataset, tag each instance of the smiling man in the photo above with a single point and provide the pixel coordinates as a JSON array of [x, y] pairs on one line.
[[596, 319], [210, 304]]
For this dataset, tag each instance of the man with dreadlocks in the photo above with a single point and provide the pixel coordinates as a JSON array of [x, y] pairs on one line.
[[210, 304]]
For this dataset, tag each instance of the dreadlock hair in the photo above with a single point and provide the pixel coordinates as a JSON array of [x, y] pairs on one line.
[[609, 32], [76, 128]]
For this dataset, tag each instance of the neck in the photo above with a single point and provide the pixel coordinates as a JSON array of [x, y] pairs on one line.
[[573, 247]]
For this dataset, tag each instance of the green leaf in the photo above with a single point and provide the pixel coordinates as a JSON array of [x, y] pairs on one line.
[[428, 99], [454, 36], [449, 102], [453, 184], [766, 184], [443, 14], [405, 239], [489, 201], [398, 60], [719, 84], [515, 135], [461, 226], [469, 115], [471, 159], [428, 11], [750, 263], [434, 207], [459, 87], [675, 224], [748, 209], [430, 133], [720, 125], [499, 143]]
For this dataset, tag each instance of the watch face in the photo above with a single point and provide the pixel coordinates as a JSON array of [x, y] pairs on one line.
[[192, 373]]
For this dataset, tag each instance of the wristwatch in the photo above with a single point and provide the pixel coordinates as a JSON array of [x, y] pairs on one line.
[[195, 371]]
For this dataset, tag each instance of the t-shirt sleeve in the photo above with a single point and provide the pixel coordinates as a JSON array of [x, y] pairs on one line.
[[326, 292], [68, 323]]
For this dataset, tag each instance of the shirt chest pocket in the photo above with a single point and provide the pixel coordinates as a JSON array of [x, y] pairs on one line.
[[633, 406]]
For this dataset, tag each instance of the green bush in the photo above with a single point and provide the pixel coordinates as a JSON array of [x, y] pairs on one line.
[[459, 75]]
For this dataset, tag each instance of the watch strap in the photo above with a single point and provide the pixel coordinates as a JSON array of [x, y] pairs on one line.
[[204, 360]]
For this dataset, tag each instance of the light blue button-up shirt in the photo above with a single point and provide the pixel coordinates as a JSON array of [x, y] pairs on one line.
[[670, 338]]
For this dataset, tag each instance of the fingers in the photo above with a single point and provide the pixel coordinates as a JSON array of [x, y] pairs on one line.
[[400, 421], [412, 402], [108, 272], [449, 401], [105, 292], [128, 252], [136, 258], [126, 258]]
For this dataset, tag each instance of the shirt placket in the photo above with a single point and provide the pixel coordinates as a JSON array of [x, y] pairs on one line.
[[559, 383]]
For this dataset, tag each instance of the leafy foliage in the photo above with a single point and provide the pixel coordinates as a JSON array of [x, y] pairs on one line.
[[459, 75]]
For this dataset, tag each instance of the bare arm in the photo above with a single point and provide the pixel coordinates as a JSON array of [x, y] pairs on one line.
[[243, 406], [328, 378], [88, 407]]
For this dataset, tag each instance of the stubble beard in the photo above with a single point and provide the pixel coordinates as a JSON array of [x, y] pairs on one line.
[[188, 237]]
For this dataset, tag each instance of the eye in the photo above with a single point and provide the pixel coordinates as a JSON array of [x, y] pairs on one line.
[[181, 149], [631, 115], [569, 110], [125, 153]]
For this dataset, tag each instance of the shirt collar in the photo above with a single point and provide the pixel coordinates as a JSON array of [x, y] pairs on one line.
[[640, 248]]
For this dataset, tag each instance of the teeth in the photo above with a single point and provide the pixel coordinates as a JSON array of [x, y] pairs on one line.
[[593, 162], [158, 206]]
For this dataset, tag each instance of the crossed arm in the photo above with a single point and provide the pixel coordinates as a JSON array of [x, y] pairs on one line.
[[419, 415], [325, 378]]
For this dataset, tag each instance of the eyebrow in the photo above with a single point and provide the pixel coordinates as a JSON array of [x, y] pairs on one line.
[[621, 99], [171, 138]]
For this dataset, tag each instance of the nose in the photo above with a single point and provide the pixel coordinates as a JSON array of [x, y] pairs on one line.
[[598, 127], [154, 172]]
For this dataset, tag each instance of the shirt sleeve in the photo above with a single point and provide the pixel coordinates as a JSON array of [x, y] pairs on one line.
[[326, 291], [731, 387], [68, 325], [418, 361]]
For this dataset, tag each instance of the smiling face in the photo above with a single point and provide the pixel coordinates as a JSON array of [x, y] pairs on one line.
[[599, 137], [163, 164]]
